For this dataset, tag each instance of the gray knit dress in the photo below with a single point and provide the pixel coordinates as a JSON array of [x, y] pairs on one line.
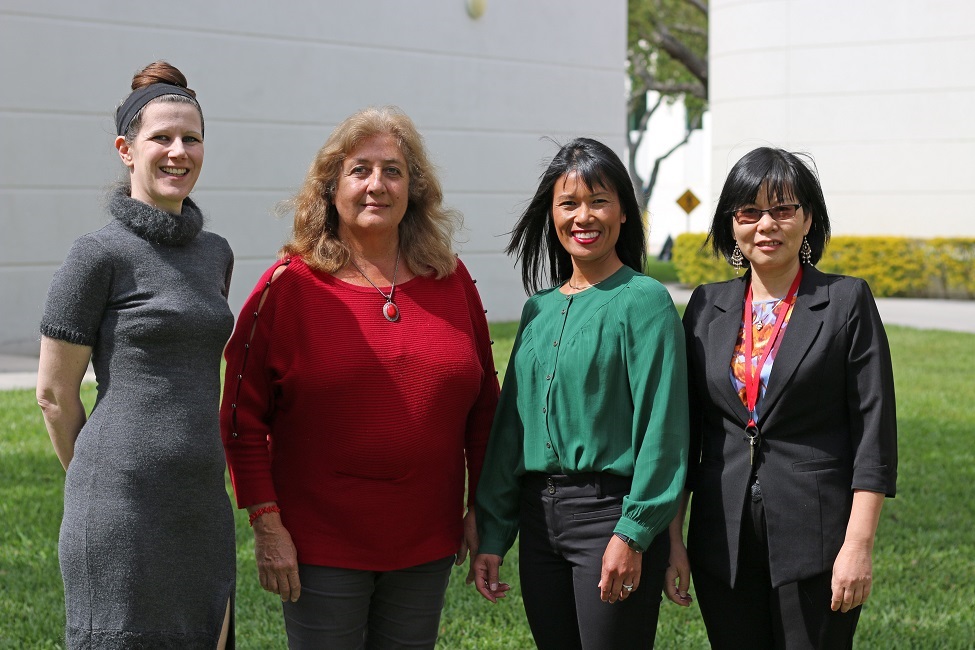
[[147, 539]]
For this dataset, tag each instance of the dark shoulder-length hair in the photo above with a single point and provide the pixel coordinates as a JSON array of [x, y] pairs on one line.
[[782, 174], [534, 241]]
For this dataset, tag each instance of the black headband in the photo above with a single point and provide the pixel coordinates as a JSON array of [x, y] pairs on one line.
[[139, 98]]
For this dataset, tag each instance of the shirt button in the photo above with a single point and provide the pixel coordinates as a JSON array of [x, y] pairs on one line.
[[548, 377], [544, 410], [548, 445], [563, 311], [555, 342]]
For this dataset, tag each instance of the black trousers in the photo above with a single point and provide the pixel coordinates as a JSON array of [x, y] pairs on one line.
[[566, 523], [754, 615]]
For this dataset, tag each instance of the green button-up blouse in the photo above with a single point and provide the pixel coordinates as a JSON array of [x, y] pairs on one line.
[[596, 382]]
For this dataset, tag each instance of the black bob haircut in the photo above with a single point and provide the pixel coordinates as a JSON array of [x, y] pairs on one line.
[[783, 175], [534, 241]]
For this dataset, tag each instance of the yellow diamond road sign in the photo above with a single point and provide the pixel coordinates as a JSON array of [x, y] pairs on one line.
[[688, 201]]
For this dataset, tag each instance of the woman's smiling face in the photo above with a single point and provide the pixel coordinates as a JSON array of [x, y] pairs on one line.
[[166, 155], [769, 244], [587, 219]]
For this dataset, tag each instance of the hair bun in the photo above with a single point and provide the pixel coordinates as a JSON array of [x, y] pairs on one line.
[[160, 72]]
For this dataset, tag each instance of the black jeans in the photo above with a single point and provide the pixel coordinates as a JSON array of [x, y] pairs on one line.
[[565, 524]]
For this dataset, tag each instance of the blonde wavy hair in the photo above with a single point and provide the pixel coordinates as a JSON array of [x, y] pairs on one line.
[[426, 233]]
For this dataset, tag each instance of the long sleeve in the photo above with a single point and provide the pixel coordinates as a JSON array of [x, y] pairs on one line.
[[481, 415], [656, 366], [497, 495], [695, 402], [248, 398]]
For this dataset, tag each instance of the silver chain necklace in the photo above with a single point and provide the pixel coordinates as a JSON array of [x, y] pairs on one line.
[[580, 288], [390, 310]]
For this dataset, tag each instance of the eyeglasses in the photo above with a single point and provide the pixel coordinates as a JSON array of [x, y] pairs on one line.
[[745, 216]]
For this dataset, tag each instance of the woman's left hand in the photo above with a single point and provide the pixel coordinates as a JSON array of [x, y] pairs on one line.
[[468, 544], [853, 568], [852, 576], [621, 571]]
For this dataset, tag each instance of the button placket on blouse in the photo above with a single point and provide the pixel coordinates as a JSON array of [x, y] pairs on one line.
[[550, 375]]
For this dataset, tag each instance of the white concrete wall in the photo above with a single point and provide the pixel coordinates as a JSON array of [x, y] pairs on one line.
[[688, 168], [881, 94], [273, 80]]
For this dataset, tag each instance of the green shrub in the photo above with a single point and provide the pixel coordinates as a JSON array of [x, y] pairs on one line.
[[893, 266], [953, 263], [695, 264]]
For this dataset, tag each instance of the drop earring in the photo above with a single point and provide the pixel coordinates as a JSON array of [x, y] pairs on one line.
[[805, 252], [737, 259]]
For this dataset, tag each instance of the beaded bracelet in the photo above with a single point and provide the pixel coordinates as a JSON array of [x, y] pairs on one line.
[[260, 512]]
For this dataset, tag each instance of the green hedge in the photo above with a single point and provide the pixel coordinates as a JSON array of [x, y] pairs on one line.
[[893, 266], [694, 263]]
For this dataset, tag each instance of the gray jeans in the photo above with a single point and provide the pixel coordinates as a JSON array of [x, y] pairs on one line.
[[349, 609]]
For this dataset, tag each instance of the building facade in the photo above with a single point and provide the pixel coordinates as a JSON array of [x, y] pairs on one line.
[[490, 93], [881, 94]]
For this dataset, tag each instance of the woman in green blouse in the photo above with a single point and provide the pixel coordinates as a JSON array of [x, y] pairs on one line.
[[588, 451]]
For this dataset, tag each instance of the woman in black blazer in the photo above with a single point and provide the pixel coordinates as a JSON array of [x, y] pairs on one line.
[[790, 465]]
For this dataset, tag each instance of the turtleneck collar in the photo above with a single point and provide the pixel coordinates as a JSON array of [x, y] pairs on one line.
[[153, 224]]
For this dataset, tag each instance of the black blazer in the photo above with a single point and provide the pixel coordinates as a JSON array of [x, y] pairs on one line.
[[828, 425]]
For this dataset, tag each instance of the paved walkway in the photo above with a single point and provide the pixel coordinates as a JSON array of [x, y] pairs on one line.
[[952, 315]]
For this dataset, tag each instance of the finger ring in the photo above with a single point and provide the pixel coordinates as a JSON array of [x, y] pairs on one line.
[[628, 587]]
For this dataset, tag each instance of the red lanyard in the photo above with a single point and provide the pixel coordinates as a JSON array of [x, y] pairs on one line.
[[753, 374]]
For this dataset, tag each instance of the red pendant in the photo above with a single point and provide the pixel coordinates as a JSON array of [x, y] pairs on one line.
[[391, 312]]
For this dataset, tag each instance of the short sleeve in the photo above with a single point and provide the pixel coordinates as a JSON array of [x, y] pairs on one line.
[[78, 294], [223, 252]]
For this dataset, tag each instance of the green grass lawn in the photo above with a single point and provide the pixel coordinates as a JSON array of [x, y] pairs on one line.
[[924, 573], [664, 272]]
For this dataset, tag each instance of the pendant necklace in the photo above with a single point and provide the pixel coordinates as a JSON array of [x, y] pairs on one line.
[[760, 323], [390, 310]]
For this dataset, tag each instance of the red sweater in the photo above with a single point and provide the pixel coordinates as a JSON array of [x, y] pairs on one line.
[[358, 427]]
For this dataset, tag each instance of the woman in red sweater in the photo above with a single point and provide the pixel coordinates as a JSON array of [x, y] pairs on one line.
[[360, 387]]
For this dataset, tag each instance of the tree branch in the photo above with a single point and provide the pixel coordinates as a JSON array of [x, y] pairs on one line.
[[692, 30], [699, 5], [647, 190], [666, 53], [634, 145], [680, 52], [695, 89]]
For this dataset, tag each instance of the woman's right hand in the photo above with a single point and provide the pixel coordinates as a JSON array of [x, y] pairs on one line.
[[277, 558], [486, 579]]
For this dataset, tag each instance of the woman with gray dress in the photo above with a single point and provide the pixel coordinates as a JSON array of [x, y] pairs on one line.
[[147, 539]]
